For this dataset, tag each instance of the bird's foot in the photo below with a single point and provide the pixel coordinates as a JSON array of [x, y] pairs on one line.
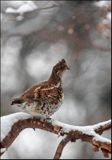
[[61, 133], [46, 119], [34, 129], [49, 120]]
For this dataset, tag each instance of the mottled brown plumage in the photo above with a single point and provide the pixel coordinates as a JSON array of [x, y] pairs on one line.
[[46, 97]]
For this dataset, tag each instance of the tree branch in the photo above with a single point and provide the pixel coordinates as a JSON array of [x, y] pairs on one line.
[[91, 134], [61, 146]]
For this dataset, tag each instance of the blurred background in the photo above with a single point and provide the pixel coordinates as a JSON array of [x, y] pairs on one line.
[[35, 35]]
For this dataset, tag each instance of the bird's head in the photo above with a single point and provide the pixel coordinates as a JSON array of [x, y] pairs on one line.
[[60, 68]]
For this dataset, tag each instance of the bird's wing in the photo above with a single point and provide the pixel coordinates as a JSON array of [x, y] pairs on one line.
[[50, 93], [28, 95]]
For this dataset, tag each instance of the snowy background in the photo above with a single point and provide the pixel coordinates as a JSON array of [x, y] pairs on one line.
[[34, 36]]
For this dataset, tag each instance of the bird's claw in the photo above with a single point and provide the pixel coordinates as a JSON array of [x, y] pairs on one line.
[[49, 120], [61, 133]]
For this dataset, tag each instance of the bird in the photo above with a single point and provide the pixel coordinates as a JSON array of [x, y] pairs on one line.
[[45, 98]]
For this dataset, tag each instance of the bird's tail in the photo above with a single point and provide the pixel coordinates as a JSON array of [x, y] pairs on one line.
[[16, 101]]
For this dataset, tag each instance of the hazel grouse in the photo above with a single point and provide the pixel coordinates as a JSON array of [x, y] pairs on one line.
[[44, 98]]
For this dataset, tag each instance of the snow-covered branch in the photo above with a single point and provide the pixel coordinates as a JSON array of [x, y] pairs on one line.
[[12, 125]]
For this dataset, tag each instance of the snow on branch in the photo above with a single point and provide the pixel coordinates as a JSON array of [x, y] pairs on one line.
[[12, 125], [25, 10]]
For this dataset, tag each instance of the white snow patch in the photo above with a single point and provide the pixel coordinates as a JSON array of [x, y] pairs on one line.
[[84, 129], [3, 150], [109, 16], [95, 126], [24, 7], [101, 3], [101, 139], [107, 19], [67, 128], [8, 120]]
